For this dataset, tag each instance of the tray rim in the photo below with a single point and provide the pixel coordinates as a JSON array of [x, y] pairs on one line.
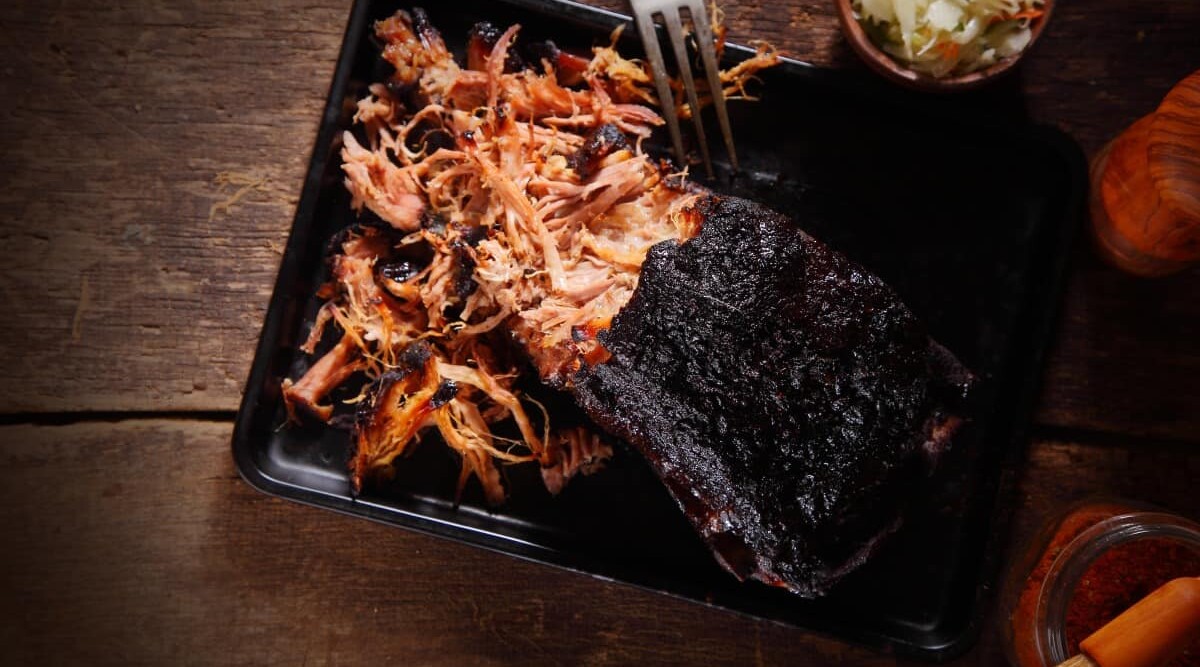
[[1043, 307]]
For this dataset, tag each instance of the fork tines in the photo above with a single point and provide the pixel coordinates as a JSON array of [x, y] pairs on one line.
[[644, 12]]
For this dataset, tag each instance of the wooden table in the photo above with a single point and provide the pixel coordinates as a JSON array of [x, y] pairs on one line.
[[153, 157]]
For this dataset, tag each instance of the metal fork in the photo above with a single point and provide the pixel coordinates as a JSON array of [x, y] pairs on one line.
[[643, 12]]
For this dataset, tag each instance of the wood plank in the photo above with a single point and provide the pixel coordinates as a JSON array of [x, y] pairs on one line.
[[121, 119], [155, 552], [1128, 349], [118, 273], [1126, 355], [136, 543]]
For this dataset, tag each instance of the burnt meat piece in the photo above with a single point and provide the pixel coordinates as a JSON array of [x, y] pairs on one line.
[[481, 40], [786, 397], [599, 144]]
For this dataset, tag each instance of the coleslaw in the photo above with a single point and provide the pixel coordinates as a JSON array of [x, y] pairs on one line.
[[949, 37]]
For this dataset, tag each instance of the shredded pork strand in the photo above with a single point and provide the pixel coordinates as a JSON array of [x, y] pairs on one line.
[[580, 451], [526, 242]]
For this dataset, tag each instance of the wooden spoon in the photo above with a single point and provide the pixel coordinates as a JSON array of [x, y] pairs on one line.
[[1149, 633]]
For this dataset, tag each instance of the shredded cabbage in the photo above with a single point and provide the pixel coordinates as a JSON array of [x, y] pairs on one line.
[[945, 37]]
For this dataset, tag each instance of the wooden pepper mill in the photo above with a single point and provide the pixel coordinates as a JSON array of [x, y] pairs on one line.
[[1145, 196]]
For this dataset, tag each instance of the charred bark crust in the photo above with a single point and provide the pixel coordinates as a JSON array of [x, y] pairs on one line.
[[785, 396]]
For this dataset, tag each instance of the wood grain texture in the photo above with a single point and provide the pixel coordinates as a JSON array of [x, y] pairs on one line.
[[1174, 145], [135, 542], [119, 121], [117, 125], [155, 552], [1126, 353], [1145, 190]]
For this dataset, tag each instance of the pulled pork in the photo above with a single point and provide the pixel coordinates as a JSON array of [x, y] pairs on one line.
[[506, 201]]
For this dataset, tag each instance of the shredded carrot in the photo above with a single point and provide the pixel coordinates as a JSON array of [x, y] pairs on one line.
[[1031, 14]]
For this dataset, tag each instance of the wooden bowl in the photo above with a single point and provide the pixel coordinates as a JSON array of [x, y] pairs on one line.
[[899, 73], [1145, 194]]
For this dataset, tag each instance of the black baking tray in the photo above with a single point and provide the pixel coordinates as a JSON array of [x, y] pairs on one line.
[[967, 210]]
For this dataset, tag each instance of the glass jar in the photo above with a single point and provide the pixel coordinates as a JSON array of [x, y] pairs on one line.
[[1040, 598]]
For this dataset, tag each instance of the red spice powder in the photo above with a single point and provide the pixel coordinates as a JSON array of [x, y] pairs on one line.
[[1022, 625], [1121, 577]]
